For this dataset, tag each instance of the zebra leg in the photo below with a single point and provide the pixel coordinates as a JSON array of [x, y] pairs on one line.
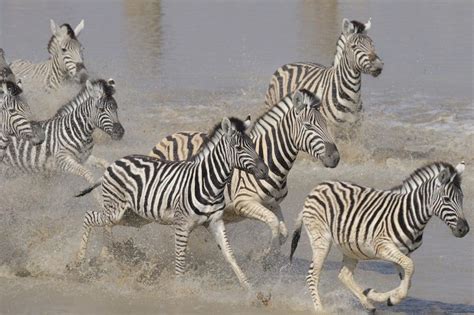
[[282, 225], [390, 252], [346, 275], [217, 228], [70, 165], [181, 235], [254, 210], [108, 244], [97, 162], [91, 219], [320, 247]]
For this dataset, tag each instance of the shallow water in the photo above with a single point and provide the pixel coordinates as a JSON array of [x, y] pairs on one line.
[[183, 66]]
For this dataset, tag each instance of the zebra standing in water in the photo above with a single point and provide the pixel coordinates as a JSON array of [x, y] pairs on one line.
[[366, 223], [68, 140], [294, 124], [181, 193], [65, 62], [14, 118], [338, 86]]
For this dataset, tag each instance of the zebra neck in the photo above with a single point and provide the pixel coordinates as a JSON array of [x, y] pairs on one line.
[[56, 71], [81, 118], [341, 43], [418, 203], [272, 136], [214, 167]]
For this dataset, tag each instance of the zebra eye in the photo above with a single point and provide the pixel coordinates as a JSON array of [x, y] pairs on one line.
[[63, 49], [238, 147], [101, 109], [446, 199], [353, 46]]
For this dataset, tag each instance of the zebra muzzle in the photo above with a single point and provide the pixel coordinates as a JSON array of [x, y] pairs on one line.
[[117, 131], [261, 170], [461, 228]]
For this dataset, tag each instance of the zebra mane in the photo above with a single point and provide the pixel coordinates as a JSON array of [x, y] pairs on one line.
[[70, 33], [215, 135], [83, 95], [425, 173]]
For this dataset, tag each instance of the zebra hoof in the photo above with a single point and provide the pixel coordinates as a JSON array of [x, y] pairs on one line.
[[367, 291], [389, 302], [371, 311]]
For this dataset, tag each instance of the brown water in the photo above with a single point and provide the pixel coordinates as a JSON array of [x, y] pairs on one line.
[[183, 66]]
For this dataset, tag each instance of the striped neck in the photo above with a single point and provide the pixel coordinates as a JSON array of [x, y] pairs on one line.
[[273, 137], [348, 78], [57, 72], [214, 166]]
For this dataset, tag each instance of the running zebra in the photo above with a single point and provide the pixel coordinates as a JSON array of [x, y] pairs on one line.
[[366, 223], [14, 118], [339, 86], [6, 73], [185, 194], [68, 138], [294, 124], [65, 62]]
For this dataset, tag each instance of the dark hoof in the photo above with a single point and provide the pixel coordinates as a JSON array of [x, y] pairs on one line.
[[371, 311], [389, 302], [366, 291]]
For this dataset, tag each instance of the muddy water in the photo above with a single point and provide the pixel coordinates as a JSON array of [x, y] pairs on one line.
[[182, 66]]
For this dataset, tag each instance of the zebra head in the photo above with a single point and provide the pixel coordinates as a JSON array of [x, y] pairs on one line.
[[447, 202], [64, 47], [359, 28], [311, 134], [241, 150], [360, 49], [15, 115], [105, 107]]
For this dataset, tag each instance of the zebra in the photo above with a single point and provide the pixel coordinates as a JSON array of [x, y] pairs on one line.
[[294, 124], [68, 138], [14, 118], [65, 63], [338, 86], [366, 223], [359, 28], [185, 194], [6, 74]]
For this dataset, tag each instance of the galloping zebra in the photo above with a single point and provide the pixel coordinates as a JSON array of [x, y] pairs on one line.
[[294, 124], [14, 118], [68, 141], [65, 62], [6, 73], [366, 223], [182, 193], [338, 86]]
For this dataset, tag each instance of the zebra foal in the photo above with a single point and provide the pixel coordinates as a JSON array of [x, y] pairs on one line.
[[366, 224], [180, 193], [294, 124], [64, 65], [338, 86], [68, 136]]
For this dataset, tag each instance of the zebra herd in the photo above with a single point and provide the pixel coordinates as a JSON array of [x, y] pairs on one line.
[[238, 170]]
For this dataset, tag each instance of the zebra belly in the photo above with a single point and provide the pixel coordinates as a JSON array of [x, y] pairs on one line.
[[357, 250]]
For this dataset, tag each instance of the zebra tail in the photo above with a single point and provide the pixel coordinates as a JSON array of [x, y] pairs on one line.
[[296, 235], [88, 190]]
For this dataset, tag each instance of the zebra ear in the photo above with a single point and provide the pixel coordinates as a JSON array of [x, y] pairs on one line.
[[368, 25], [89, 86], [226, 126], [20, 85], [347, 27], [111, 82], [2, 53], [54, 27], [248, 122], [298, 101], [444, 177], [79, 28], [460, 168]]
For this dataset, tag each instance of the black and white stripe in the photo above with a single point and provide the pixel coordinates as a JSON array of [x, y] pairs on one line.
[[68, 138], [15, 118], [294, 124], [365, 223], [181, 193], [339, 86], [64, 65]]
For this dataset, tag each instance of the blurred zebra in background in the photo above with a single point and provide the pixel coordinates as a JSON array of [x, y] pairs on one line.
[[185, 194], [64, 65], [339, 86], [68, 138], [14, 118], [294, 124], [367, 224], [6, 73]]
